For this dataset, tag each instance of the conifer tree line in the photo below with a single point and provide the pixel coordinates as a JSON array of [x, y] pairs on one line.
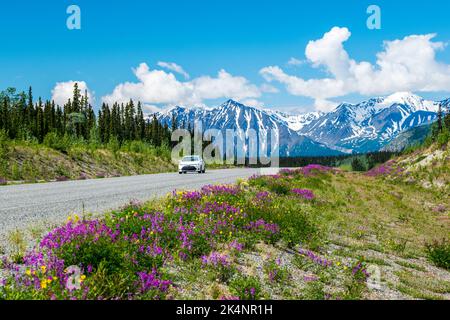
[[23, 118], [440, 131], [443, 119]]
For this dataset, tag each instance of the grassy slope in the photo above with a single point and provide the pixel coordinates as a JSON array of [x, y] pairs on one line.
[[384, 222], [362, 219], [429, 167], [33, 163]]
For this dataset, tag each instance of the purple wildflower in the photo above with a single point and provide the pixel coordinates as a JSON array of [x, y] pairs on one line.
[[315, 258], [304, 193], [151, 281], [220, 189], [262, 225], [215, 259]]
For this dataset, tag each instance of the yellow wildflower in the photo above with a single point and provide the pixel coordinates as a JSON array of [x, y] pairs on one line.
[[44, 269], [28, 272], [44, 284]]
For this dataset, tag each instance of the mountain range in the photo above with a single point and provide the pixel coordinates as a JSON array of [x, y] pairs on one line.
[[350, 128]]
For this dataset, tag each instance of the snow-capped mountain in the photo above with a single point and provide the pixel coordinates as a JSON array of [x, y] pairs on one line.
[[445, 104], [236, 116], [358, 128], [372, 124], [297, 122]]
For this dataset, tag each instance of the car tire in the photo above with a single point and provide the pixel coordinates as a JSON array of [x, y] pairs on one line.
[[180, 172]]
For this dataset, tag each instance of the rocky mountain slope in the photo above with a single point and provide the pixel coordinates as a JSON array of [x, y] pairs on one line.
[[350, 128]]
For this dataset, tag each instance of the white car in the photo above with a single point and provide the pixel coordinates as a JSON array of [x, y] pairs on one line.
[[191, 164]]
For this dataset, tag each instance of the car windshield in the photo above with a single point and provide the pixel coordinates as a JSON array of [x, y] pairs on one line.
[[190, 158]]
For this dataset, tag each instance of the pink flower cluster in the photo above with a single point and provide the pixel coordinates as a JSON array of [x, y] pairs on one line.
[[84, 230], [261, 225], [315, 258], [304, 193], [216, 259], [220, 189], [151, 281], [390, 168]]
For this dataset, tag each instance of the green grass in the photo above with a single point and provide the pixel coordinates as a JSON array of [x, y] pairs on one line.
[[422, 285], [353, 222], [411, 265], [31, 162]]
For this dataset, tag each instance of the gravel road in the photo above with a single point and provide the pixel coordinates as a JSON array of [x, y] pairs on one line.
[[25, 206]]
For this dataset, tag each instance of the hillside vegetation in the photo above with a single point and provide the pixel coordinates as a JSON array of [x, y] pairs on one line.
[[309, 233], [28, 162], [40, 140], [314, 232]]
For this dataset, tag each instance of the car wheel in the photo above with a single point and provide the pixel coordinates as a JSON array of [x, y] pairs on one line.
[[184, 172], [180, 172]]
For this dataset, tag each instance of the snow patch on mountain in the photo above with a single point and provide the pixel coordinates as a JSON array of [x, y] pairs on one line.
[[361, 127]]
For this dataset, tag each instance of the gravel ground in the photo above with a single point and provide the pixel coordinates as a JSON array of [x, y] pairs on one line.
[[32, 205]]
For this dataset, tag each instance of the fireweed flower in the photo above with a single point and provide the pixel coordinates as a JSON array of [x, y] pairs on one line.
[[85, 230], [262, 198], [151, 281], [304, 193], [261, 225], [215, 259], [390, 168], [220, 189], [214, 207], [359, 269], [315, 258], [316, 168], [192, 195], [236, 245], [310, 278]]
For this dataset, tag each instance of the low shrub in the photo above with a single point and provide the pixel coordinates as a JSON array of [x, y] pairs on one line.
[[246, 288], [129, 253], [439, 253]]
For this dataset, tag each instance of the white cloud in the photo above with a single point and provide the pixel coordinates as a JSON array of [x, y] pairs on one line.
[[267, 88], [324, 105], [174, 67], [408, 64], [253, 103], [160, 87], [63, 91], [295, 62]]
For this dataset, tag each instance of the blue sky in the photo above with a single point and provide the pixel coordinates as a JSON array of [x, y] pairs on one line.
[[206, 36]]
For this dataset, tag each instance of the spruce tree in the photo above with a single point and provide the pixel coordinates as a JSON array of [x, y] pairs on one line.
[[439, 119]]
